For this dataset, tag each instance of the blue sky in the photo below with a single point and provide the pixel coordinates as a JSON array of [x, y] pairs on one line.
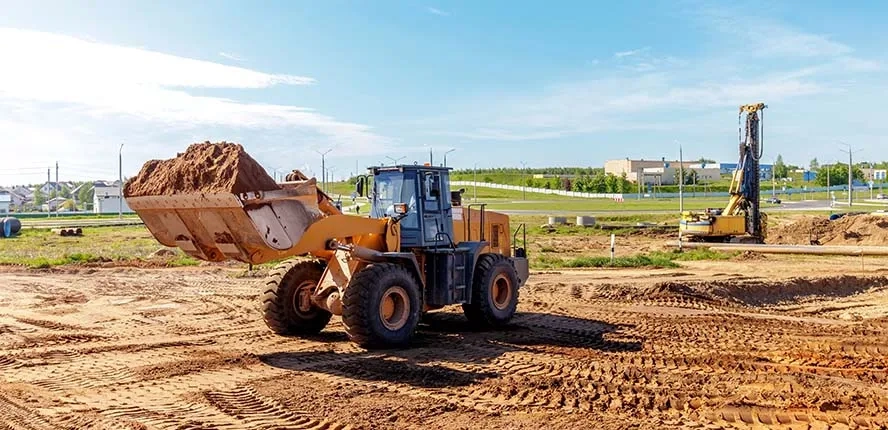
[[547, 83]]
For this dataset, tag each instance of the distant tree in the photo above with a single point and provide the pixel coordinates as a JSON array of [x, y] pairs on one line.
[[610, 181], [597, 184], [566, 184], [65, 192], [85, 193], [780, 169], [837, 174], [706, 160], [39, 197], [814, 165]]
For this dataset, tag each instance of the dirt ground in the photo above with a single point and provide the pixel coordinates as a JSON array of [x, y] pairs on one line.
[[797, 342]]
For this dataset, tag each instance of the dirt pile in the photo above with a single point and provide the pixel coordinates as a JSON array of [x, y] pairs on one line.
[[755, 292], [203, 168], [847, 230]]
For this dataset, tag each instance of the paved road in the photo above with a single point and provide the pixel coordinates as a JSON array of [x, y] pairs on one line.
[[807, 205]]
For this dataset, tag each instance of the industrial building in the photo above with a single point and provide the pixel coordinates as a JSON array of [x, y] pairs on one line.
[[875, 175], [660, 172]]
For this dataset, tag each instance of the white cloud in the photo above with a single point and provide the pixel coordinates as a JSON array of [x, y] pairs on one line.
[[436, 11], [103, 80], [232, 57], [619, 103], [762, 36], [630, 53]]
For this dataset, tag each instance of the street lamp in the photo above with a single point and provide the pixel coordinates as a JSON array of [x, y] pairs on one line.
[[330, 175], [396, 160], [445, 155], [120, 179], [850, 171], [324, 168]]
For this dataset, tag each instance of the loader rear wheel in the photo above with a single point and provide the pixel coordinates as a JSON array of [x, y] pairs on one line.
[[286, 303], [381, 306], [494, 292]]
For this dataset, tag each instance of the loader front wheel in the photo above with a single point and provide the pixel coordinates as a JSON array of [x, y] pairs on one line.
[[381, 306], [494, 292], [286, 304]]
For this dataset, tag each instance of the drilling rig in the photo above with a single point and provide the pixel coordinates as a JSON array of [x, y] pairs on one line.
[[741, 220]]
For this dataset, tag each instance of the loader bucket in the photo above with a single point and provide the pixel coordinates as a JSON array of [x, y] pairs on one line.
[[253, 227]]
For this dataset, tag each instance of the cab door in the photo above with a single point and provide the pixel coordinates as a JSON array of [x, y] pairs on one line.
[[436, 225]]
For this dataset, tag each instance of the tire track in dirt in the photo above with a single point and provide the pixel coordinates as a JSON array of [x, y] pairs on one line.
[[15, 416], [258, 412]]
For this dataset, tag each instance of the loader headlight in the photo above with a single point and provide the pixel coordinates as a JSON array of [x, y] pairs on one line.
[[400, 208]]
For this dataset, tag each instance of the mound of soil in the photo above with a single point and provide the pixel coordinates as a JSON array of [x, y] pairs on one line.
[[764, 293], [848, 230], [203, 168]]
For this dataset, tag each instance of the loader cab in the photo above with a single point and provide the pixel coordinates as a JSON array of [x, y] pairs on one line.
[[420, 195]]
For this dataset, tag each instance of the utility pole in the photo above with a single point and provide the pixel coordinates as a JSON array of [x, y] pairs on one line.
[[475, 182], [850, 172], [431, 162], [445, 155], [324, 168], [120, 186], [524, 184], [56, 187], [681, 180]]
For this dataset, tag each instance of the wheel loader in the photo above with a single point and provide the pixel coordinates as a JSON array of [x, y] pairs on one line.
[[418, 249]]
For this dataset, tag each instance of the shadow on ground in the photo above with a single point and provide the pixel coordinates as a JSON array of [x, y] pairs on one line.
[[448, 352]]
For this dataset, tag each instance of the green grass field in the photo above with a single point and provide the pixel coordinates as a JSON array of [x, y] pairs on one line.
[[39, 248]]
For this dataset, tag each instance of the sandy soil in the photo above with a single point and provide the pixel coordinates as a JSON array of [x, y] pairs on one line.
[[775, 342]]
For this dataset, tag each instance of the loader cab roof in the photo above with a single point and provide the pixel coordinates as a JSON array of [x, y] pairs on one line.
[[408, 168]]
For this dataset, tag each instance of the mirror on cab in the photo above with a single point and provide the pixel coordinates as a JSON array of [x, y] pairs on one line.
[[359, 185]]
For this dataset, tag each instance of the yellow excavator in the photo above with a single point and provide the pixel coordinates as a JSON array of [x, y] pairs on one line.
[[419, 249], [741, 220]]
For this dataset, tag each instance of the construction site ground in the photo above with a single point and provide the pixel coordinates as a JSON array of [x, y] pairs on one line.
[[770, 341]]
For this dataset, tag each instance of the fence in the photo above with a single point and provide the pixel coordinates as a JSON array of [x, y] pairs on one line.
[[455, 184], [625, 196]]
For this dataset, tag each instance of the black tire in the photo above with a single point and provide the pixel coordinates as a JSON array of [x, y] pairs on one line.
[[280, 308], [494, 292], [365, 320]]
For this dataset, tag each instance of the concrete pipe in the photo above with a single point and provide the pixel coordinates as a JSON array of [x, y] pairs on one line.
[[585, 221], [557, 220]]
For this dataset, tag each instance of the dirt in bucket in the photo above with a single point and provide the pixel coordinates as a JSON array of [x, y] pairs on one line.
[[203, 168]]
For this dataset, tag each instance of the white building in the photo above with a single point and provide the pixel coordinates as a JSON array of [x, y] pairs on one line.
[[106, 199], [5, 201], [53, 204]]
